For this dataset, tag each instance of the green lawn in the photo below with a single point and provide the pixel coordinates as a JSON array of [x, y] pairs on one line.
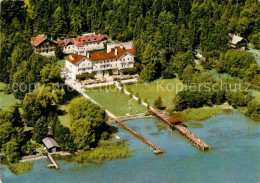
[[64, 119], [61, 62], [6, 100], [116, 102], [166, 88]]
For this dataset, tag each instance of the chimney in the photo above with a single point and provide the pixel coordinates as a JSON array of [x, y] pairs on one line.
[[116, 51], [87, 54]]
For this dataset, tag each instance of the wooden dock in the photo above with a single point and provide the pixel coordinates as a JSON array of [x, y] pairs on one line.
[[180, 128], [155, 149], [54, 164]]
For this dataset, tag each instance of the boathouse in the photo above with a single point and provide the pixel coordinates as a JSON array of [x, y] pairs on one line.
[[51, 145], [237, 42]]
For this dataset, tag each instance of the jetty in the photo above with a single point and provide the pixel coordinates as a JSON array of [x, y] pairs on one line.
[[155, 149], [80, 89], [54, 164], [174, 125], [177, 125]]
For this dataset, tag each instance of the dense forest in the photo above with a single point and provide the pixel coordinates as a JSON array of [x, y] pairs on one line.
[[160, 29], [166, 33]]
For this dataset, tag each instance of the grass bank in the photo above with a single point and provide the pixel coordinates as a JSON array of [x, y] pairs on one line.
[[18, 168], [6, 100], [166, 88], [199, 114], [106, 150], [115, 101]]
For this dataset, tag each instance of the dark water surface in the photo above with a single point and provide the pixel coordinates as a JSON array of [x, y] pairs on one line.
[[235, 156]]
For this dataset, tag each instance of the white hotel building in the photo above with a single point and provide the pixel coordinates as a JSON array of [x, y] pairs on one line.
[[100, 63], [86, 42]]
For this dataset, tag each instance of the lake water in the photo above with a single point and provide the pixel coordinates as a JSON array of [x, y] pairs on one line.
[[235, 156]]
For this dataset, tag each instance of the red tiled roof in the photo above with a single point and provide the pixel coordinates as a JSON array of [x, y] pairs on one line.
[[81, 40], [96, 56], [174, 120], [38, 40], [74, 58]]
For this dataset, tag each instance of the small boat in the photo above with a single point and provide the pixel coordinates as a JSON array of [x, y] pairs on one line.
[[117, 137]]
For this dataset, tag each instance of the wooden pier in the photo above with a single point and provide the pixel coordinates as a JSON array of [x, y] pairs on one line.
[[155, 149], [180, 127], [54, 164]]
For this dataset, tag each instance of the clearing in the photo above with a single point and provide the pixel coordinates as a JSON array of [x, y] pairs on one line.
[[116, 102], [166, 88], [6, 100]]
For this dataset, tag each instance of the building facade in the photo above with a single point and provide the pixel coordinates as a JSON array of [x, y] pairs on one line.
[[99, 63], [43, 45], [86, 42], [237, 42], [81, 44]]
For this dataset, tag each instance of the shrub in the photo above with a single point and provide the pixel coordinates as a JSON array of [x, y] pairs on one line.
[[137, 94], [130, 96], [158, 103]]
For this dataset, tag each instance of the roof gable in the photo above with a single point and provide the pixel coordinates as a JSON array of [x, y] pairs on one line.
[[97, 56], [50, 142], [74, 58], [39, 39]]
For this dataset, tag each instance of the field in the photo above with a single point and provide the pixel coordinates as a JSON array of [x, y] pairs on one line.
[[166, 88], [116, 102], [6, 100]]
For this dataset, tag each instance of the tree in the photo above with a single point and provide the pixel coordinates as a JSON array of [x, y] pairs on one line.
[[180, 62], [87, 122], [11, 151], [41, 102], [40, 129], [59, 24], [253, 109], [50, 73], [158, 103], [58, 52], [6, 131], [62, 134], [188, 73]]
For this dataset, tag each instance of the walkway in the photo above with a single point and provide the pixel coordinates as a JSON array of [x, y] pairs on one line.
[[184, 131], [178, 126], [54, 164], [80, 89]]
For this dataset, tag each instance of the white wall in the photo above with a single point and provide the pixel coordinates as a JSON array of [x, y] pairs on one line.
[[87, 66], [126, 45], [87, 47]]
